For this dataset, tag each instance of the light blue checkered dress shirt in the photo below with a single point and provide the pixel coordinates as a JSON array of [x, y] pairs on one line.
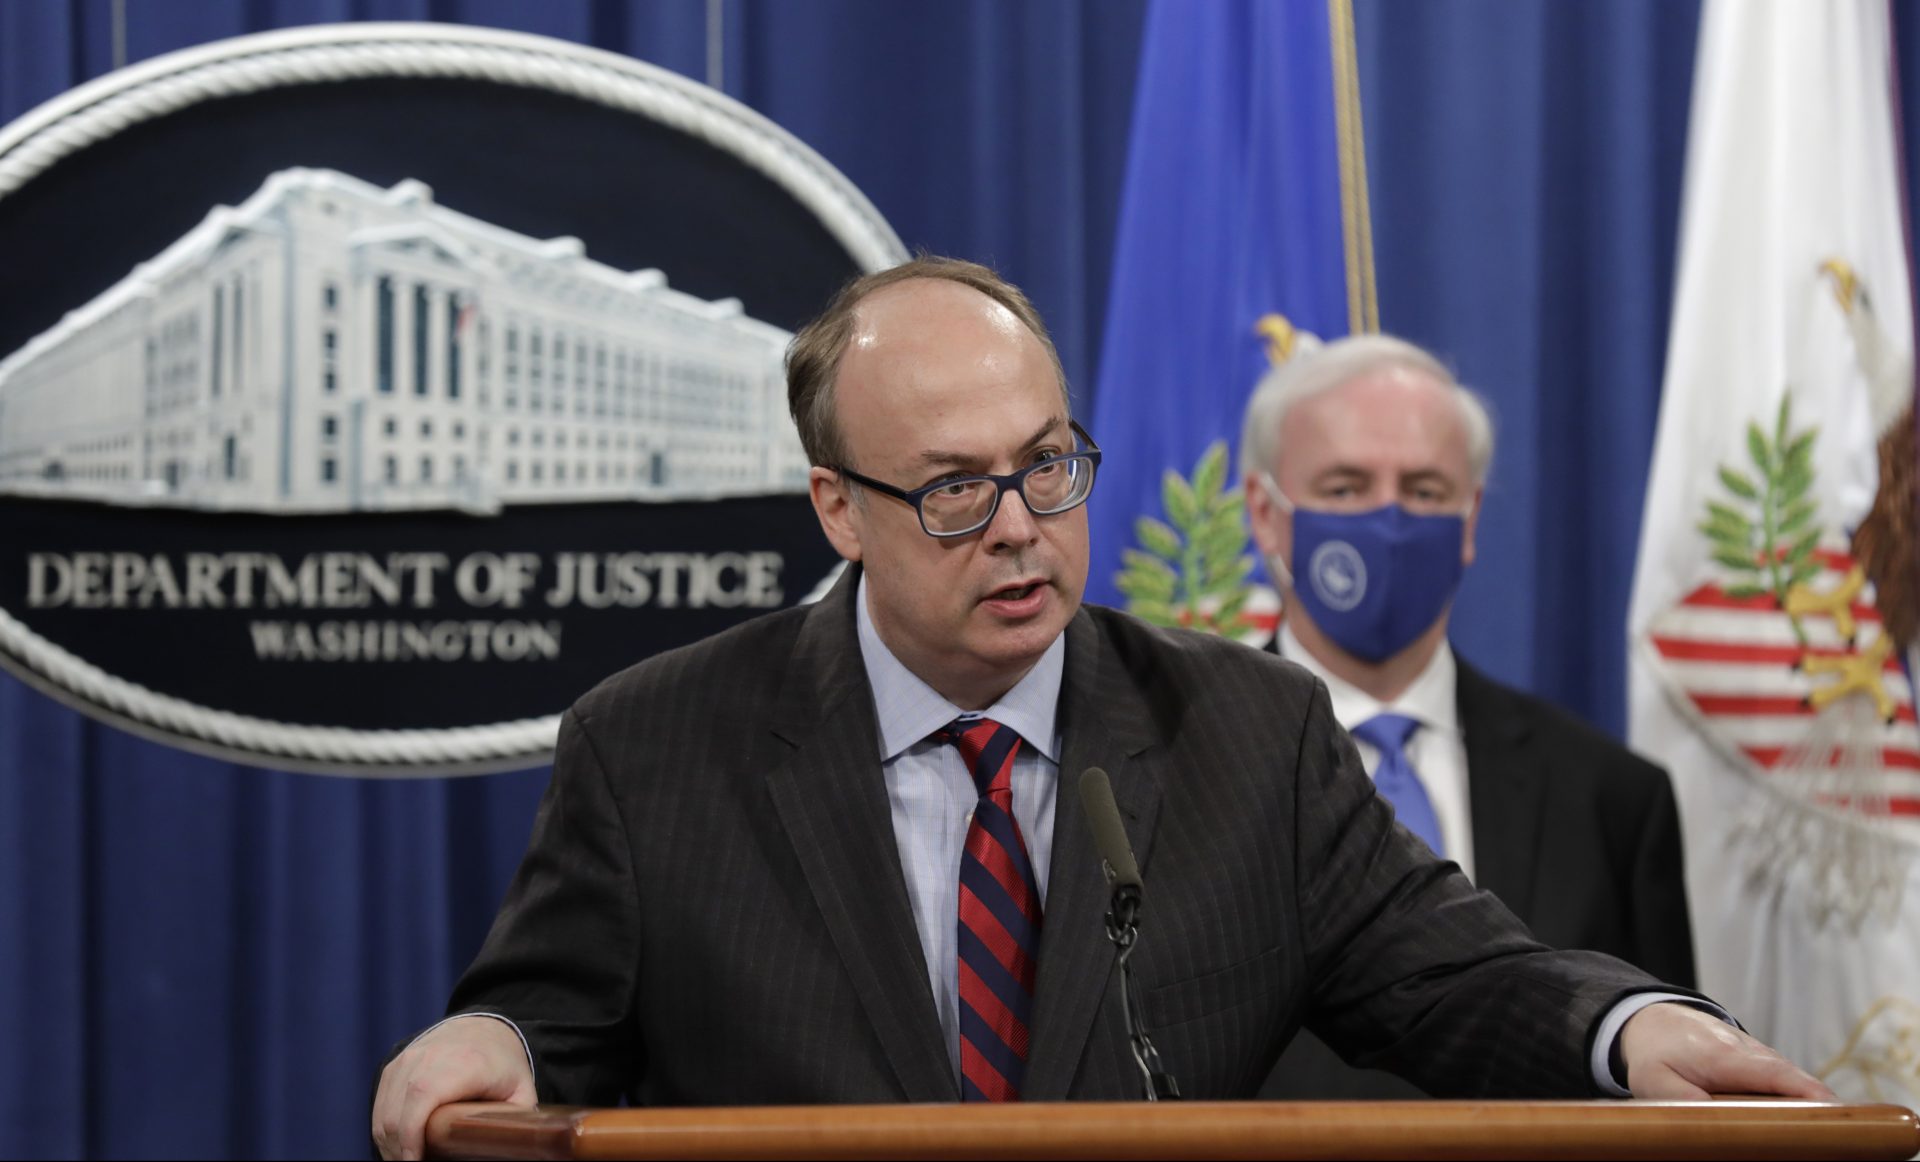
[[932, 794]]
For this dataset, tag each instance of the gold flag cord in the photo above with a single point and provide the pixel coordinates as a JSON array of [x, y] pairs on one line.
[[1356, 224]]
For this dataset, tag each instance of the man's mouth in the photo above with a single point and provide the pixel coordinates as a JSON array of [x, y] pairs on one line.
[[1019, 600]]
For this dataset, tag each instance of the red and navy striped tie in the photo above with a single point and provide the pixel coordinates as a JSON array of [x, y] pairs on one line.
[[999, 921]]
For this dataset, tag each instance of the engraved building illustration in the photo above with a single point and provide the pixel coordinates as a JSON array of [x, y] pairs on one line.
[[329, 345]]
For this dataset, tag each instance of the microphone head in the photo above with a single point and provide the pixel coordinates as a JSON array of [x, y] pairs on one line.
[[1109, 833]]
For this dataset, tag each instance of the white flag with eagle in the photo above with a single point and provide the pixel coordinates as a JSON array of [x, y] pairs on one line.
[[1777, 594]]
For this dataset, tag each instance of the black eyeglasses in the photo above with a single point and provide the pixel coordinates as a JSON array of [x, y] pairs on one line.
[[960, 505]]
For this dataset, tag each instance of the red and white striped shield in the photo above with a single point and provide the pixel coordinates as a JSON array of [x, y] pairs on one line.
[[1786, 694]]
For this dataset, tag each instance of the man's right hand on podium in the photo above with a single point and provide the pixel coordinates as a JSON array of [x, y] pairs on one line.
[[468, 1059]]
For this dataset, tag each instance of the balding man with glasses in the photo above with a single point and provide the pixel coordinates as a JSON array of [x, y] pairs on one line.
[[825, 856]]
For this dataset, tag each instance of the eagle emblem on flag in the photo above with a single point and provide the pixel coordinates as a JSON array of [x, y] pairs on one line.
[[1793, 659]]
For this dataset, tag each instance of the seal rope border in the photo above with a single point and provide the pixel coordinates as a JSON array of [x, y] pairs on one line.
[[319, 54]]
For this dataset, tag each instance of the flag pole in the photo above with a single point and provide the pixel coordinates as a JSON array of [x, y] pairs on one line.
[[1356, 225]]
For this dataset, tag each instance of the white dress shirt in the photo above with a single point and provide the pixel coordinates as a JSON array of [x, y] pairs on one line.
[[1438, 750]]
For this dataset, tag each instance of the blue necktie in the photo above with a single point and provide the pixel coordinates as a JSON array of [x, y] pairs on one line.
[[1395, 779]]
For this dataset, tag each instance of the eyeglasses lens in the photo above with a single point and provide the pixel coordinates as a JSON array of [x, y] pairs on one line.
[[960, 506]]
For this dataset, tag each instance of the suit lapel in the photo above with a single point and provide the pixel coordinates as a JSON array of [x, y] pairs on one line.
[[832, 800], [1506, 790], [1105, 723]]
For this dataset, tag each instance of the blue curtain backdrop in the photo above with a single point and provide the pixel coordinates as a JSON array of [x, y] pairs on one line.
[[1525, 163], [199, 959]]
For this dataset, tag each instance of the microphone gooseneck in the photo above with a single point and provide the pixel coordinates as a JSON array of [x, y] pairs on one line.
[[1123, 924]]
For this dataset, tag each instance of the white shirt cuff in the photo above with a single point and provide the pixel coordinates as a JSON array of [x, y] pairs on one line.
[[1616, 1020], [524, 1047]]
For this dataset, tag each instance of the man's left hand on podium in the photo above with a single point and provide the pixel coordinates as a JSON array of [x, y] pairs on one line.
[[1675, 1052]]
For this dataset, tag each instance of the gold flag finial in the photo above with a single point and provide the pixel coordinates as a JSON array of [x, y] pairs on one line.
[[1281, 336]]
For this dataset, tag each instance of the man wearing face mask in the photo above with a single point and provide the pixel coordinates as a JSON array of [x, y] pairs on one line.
[[1365, 465]]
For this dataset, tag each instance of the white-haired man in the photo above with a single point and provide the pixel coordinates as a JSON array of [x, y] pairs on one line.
[[1365, 466]]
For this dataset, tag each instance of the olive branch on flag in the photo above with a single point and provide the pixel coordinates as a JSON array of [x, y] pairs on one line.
[[1193, 570], [1768, 534]]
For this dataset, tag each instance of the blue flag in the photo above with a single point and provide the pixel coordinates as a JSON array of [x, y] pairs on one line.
[[1232, 211]]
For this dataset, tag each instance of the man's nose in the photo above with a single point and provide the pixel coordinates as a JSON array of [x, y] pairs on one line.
[[1014, 526]]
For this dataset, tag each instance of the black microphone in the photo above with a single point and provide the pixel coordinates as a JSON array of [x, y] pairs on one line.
[[1110, 838], [1123, 919]]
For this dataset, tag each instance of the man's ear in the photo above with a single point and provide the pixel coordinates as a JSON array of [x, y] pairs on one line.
[[833, 504], [1271, 525], [1472, 526]]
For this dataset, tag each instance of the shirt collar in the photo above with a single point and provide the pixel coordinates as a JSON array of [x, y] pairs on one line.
[[909, 710], [1431, 699]]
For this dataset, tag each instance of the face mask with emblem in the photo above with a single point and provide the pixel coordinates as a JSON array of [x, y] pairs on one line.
[[1372, 581]]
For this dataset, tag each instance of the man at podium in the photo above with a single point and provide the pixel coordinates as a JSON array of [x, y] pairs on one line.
[[825, 856]]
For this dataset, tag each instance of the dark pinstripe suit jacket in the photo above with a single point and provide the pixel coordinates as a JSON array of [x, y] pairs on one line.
[[712, 911]]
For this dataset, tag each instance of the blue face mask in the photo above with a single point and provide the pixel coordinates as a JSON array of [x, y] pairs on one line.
[[1374, 581]]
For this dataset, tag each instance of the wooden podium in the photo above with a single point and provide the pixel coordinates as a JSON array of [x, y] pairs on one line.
[[1137, 1130]]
